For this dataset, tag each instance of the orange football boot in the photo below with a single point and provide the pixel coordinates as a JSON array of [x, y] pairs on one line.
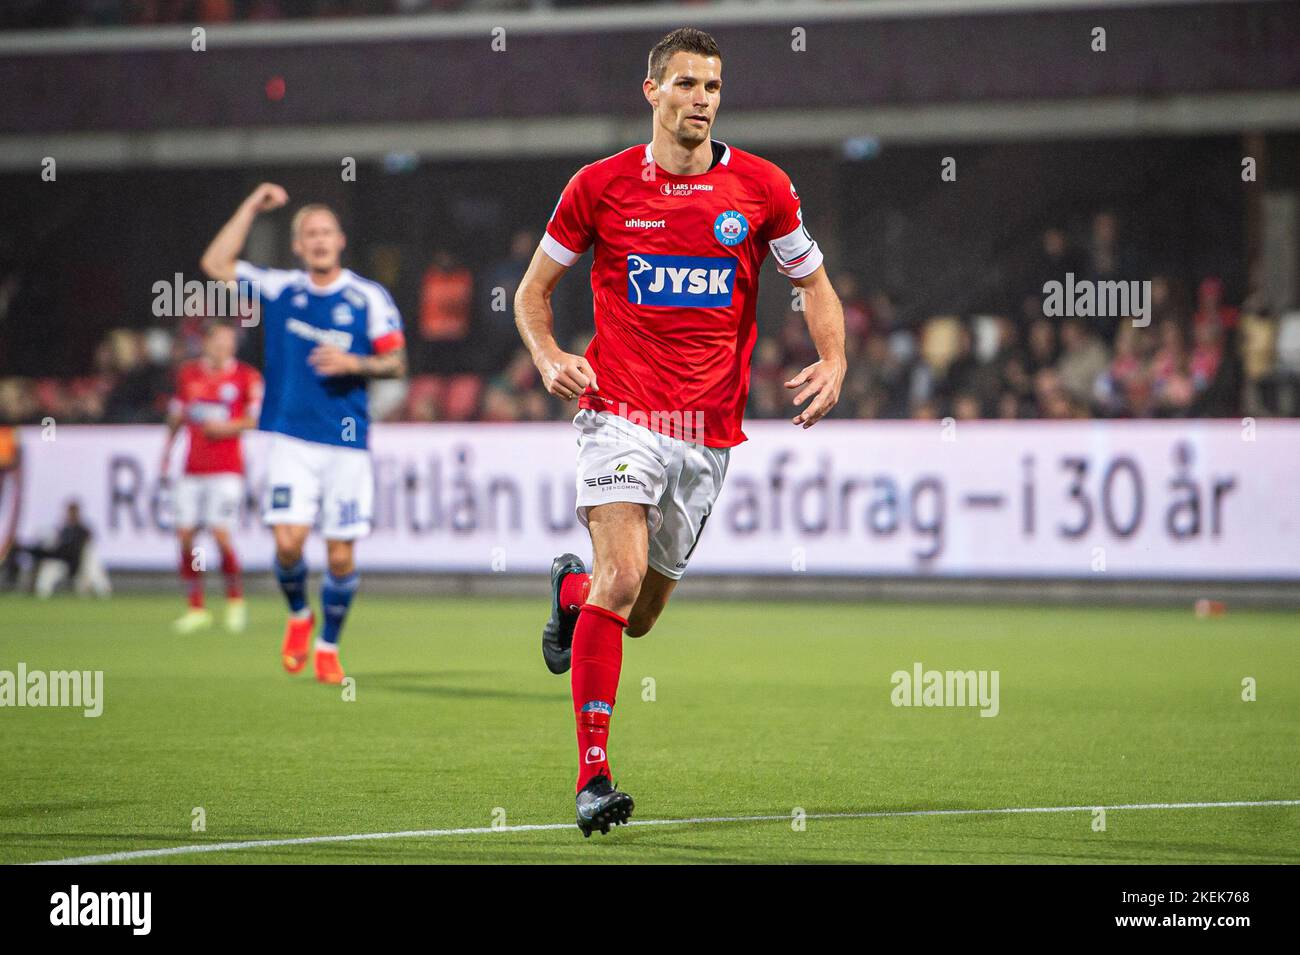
[[297, 642], [328, 669]]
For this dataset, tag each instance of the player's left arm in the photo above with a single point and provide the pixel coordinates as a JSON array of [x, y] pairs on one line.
[[820, 381], [330, 360], [800, 260]]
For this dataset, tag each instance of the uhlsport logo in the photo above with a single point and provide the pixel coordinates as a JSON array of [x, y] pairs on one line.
[[680, 281], [731, 228]]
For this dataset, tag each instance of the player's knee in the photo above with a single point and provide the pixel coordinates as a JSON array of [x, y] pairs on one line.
[[340, 560], [644, 616], [640, 623], [288, 553], [617, 584]]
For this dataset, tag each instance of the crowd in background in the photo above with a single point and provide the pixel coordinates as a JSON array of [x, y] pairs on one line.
[[1199, 355], [44, 14]]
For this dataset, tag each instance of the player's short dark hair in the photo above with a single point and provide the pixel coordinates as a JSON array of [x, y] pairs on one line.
[[683, 40]]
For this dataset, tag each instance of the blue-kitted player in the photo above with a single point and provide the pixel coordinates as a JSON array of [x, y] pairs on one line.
[[326, 332]]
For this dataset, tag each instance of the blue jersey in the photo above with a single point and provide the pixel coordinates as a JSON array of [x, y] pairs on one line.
[[352, 313]]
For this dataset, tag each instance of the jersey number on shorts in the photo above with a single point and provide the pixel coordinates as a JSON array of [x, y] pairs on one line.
[[349, 513], [695, 542]]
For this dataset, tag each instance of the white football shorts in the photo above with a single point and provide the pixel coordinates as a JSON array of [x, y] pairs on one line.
[[679, 481], [207, 500], [307, 480]]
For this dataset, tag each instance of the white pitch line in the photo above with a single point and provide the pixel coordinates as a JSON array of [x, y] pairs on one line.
[[701, 820]]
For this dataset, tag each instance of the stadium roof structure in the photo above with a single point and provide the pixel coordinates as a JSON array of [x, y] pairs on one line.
[[905, 72]]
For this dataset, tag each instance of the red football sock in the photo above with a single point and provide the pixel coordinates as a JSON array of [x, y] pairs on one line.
[[597, 662], [573, 592], [230, 567], [192, 577]]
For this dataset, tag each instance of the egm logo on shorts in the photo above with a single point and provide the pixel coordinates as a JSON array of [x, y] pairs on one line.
[[610, 480], [681, 281]]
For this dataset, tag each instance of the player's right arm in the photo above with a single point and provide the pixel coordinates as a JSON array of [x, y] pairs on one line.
[[568, 234], [222, 254], [175, 419], [564, 375]]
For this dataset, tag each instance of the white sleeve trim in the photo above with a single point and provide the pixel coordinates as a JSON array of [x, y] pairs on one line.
[[382, 315], [269, 282], [558, 252]]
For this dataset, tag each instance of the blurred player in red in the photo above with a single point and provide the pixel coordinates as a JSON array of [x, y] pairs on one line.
[[217, 398], [679, 229]]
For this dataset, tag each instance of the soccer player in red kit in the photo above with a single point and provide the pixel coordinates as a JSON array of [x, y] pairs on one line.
[[217, 398], [679, 228]]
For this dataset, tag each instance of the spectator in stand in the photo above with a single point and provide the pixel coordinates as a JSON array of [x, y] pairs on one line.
[[1210, 309], [516, 393], [1207, 355], [446, 293], [1124, 389], [1171, 382], [1042, 351], [766, 392], [857, 314], [1108, 260], [887, 391], [1051, 398], [797, 349], [969, 377], [1009, 406], [143, 377], [1050, 263], [967, 407], [17, 401], [498, 293], [1083, 360], [1168, 300]]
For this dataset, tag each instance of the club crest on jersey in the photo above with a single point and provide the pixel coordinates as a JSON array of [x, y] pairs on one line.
[[680, 281], [228, 391], [342, 315], [731, 228]]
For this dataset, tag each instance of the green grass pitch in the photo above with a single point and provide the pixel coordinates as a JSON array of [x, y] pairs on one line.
[[757, 709]]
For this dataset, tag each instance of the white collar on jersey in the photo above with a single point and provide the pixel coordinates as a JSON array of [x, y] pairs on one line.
[[344, 278], [726, 153]]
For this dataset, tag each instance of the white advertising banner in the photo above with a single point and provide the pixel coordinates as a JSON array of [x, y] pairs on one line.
[[1155, 499]]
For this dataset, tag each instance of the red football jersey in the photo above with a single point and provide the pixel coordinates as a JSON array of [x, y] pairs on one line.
[[204, 394], [675, 282]]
